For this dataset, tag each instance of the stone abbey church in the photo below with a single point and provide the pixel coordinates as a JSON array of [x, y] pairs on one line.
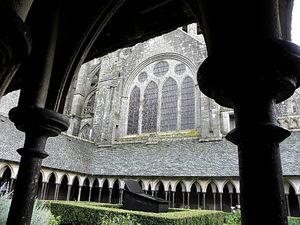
[[137, 113]]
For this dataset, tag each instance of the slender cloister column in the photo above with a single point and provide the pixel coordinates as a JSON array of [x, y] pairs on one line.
[[173, 199], [79, 193], [214, 198], [298, 197], [69, 192], [121, 196], [44, 190], [12, 182], [90, 193], [287, 204], [100, 192], [57, 187], [203, 193], [188, 199], [109, 194], [221, 202], [198, 200]]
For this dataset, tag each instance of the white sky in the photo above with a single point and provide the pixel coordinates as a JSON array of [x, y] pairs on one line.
[[296, 22]]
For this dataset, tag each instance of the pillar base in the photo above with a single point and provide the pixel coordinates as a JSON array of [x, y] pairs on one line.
[[38, 124]]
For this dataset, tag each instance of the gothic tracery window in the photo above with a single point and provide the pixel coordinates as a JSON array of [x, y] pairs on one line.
[[89, 107], [149, 121], [85, 131], [187, 104], [134, 109], [168, 119]]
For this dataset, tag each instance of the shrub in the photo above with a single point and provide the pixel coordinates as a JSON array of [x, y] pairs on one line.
[[118, 220], [233, 218], [40, 215], [80, 214], [294, 220]]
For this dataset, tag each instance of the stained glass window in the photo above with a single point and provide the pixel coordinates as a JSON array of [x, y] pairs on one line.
[[168, 119], [187, 104], [85, 131], [89, 107], [134, 109], [149, 123], [160, 68]]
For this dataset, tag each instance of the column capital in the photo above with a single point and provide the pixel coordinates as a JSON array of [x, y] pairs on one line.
[[268, 69], [31, 119], [38, 124]]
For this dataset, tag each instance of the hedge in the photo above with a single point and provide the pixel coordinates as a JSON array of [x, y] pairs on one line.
[[294, 220], [74, 213]]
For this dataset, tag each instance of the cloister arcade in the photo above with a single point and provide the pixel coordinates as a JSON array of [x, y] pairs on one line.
[[196, 193]]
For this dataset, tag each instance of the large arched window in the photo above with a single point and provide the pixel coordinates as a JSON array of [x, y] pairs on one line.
[[187, 104], [89, 107], [85, 131], [149, 122], [168, 119], [134, 109]]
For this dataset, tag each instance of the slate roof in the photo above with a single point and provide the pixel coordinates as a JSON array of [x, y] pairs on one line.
[[183, 158]]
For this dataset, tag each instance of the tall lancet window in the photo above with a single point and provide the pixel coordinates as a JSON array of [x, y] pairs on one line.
[[168, 119], [134, 110], [149, 123], [187, 104]]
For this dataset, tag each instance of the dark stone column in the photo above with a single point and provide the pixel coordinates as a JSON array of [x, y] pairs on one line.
[[12, 181], [250, 69], [287, 204], [230, 196], [30, 116], [38, 125], [198, 200], [298, 197]]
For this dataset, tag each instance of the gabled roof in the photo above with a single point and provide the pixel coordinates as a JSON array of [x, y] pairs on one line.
[[185, 158]]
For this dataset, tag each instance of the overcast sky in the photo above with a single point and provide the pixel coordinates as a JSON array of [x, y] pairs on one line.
[[296, 23]]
